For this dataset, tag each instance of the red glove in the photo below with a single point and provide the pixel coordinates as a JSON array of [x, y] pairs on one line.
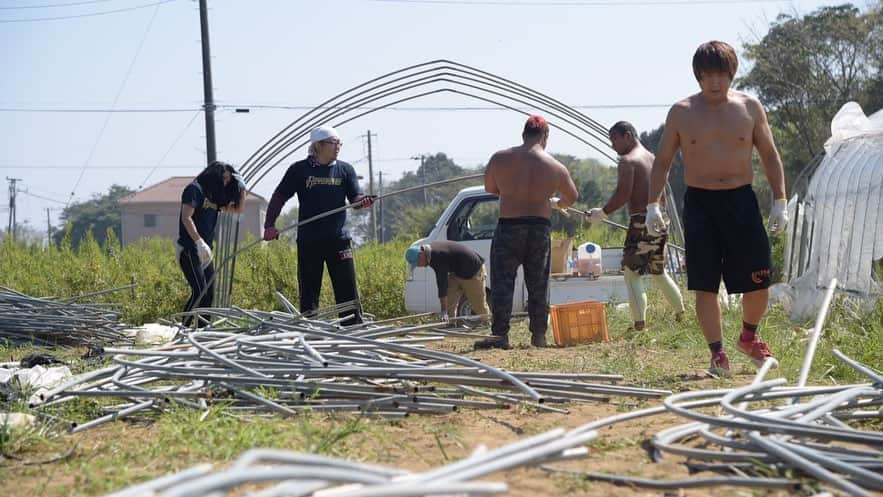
[[366, 201], [270, 233]]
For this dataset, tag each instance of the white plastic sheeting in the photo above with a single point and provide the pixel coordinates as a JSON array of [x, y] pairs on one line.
[[836, 229]]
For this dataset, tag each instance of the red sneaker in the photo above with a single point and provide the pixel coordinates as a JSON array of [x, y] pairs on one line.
[[758, 351], [720, 365]]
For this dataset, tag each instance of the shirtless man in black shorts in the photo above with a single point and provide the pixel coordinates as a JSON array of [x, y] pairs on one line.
[[716, 131]]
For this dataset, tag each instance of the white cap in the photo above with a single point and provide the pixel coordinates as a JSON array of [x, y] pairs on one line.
[[323, 133]]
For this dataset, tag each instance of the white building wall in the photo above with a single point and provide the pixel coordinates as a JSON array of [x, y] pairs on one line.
[[133, 226]]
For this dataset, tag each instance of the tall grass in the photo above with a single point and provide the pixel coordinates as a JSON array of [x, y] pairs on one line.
[[62, 271]]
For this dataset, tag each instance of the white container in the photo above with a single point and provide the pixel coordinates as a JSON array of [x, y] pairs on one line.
[[588, 260]]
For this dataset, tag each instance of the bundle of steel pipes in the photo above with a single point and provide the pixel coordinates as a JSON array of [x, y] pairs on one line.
[[284, 363], [43, 321]]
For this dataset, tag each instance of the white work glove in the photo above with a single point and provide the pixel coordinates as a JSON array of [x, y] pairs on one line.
[[779, 216], [596, 215], [553, 202], [654, 221], [204, 252]]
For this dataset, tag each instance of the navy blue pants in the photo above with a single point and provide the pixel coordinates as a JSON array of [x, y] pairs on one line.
[[198, 278], [312, 257]]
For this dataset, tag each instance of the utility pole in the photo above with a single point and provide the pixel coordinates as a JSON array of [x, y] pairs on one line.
[[12, 181], [371, 188], [209, 106], [48, 227], [422, 159], [381, 208]]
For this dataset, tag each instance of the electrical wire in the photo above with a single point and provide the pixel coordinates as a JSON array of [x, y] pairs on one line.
[[575, 3], [434, 108], [52, 6], [175, 142], [115, 100], [80, 16], [108, 168], [85, 111], [451, 108], [41, 197]]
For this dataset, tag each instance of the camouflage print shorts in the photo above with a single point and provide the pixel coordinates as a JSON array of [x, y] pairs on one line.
[[643, 253]]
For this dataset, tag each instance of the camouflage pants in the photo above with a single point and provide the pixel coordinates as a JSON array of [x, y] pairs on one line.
[[644, 253], [522, 242]]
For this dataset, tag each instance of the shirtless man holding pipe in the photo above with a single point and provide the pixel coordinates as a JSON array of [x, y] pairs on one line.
[[524, 177]]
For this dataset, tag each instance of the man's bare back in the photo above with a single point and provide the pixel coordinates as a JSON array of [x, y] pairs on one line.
[[524, 177]]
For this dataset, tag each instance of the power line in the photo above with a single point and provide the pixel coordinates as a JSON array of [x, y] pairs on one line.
[[452, 108], [41, 197], [79, 16], [175, 142], [97, 111], [116, 98], [442, 108], [79, 166], [576, 3], [51, 6]]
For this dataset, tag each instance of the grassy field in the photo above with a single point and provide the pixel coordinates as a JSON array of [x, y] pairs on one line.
[[667, 355]]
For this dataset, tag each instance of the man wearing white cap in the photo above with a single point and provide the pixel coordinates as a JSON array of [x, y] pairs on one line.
[[321, 183]]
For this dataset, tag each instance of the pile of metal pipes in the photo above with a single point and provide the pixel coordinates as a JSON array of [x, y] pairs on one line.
[[50, 322], [284, 474], [273, 362], [821, 433], [744, 447], [746, 434]]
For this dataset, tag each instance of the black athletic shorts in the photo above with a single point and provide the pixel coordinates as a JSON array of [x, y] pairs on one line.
[[725, 236]]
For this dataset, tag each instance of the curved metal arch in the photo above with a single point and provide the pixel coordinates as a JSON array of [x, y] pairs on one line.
[[392, 88], [349, 105]]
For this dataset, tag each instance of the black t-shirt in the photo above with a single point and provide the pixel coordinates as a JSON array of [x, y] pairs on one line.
[[320, 188], [447, 257], [205, 216]]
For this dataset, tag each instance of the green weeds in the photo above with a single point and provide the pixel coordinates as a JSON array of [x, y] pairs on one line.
[[61, 271]]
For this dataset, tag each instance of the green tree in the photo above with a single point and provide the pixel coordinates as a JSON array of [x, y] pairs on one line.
[[805, 68], [595, 182], [405, 213], [96, 215]]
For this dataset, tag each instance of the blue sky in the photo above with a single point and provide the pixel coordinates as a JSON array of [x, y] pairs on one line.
[[623, 60]]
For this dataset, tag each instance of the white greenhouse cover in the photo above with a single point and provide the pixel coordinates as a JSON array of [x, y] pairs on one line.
[[836, 230]]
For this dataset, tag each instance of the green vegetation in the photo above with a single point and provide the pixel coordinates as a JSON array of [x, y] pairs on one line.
[[805, 68], [64, 271]]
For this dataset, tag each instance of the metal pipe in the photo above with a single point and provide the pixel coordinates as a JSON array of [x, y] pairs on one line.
[[816, 332]]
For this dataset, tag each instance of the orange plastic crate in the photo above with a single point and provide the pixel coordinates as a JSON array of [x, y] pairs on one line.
[[579, 322]]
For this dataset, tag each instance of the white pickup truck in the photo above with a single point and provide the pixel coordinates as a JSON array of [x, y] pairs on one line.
[[471, 219]]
